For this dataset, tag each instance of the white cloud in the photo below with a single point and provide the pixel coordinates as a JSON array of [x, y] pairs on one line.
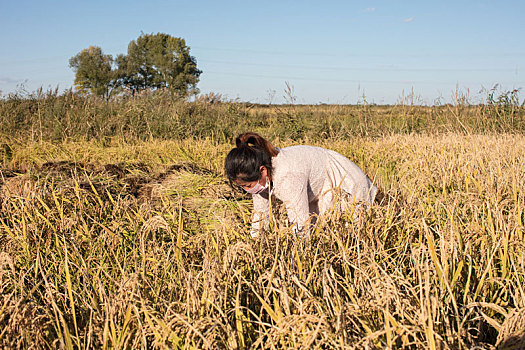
[[408, 20], [367, 10]]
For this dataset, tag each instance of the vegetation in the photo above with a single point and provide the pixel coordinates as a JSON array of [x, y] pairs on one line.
[[49, 116], [93, 73], [154, 61], [118, 229]]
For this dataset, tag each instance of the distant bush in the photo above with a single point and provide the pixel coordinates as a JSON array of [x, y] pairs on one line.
[[52, 116]]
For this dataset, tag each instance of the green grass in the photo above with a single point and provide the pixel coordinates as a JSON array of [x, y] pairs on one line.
[[48, 116]]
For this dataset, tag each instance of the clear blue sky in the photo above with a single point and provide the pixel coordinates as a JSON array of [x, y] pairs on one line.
[[329, 51]]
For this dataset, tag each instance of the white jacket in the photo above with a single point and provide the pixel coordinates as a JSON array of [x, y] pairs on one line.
[[312, 180]]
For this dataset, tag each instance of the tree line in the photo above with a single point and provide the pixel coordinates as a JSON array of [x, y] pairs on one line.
[[153, 61]]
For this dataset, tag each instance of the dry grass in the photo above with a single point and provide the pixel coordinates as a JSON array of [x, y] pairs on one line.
[[45, 116], [143, 245]]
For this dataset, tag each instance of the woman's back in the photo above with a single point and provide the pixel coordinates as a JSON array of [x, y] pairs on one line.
[[299, 163], [322, 170]]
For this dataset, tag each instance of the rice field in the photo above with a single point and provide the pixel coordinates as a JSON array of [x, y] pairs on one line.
[[121, 242]]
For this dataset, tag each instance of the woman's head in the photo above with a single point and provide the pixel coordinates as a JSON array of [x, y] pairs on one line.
[[250, 160]]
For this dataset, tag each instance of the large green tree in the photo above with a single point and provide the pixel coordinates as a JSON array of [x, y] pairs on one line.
[[157, 61], [153, 61], [93, 71]]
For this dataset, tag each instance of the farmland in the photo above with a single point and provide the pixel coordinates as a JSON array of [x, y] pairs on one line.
[[119, 230]]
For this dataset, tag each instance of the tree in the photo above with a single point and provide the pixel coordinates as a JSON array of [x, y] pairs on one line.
[[156, 61], [93, 71]]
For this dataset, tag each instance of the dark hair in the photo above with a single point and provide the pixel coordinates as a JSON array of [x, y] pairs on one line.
[[251, 152]]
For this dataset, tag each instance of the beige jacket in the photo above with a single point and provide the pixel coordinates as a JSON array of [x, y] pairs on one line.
[[310, 181]]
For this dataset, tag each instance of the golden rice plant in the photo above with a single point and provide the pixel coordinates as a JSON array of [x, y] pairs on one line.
[[142, 244]]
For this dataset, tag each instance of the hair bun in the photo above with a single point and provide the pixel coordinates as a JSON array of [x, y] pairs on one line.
[[241, 142], [252, 140]]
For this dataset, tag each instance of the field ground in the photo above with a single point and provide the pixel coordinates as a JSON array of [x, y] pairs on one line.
[[142, 244]]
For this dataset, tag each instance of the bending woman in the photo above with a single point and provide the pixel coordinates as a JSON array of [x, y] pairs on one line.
[[308, 180]]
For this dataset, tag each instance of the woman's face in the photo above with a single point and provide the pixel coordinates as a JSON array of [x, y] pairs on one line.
[[247, 185]]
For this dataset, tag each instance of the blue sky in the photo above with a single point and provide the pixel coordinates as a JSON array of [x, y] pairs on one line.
[[328, 51]]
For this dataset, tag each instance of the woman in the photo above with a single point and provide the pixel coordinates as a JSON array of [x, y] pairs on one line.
[[308, 180]]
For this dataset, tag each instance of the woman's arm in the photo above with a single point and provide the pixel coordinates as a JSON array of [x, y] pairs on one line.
[[294, 194], [261, 213]]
